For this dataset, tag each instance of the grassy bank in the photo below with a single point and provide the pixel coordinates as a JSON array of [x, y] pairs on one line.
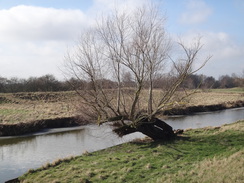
[[25, 107], [199, 155]]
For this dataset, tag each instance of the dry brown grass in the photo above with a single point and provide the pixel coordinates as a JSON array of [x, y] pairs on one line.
[[218, 170], [237, 127], [210, 98], [16, 109], [25, 107]]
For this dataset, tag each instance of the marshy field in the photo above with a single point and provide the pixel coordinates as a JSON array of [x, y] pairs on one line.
[[211, 154]]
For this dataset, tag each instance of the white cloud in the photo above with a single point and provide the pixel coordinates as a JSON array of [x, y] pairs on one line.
[[223, 46], [109, 5], [25, 59], [34, 40], [102, 8], [37, 23], [197, 11], [227, 55]]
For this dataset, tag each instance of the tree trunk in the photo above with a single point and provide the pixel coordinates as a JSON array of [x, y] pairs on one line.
[[155, 129]]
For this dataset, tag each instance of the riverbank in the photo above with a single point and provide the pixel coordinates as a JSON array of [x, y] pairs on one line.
[[37, 125], [188, 110], [199, 155], [22, 113]]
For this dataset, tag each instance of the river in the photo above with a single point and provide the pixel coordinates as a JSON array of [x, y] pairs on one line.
[[19, 154]]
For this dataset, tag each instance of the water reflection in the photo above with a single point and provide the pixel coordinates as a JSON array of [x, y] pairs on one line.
[[18, 154], [201, 120], [10, 141]]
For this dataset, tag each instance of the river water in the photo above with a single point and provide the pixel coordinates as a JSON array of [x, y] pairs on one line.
[[200, 120], [19, 154]]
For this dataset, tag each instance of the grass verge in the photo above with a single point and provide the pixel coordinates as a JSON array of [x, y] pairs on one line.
[[199, 155]]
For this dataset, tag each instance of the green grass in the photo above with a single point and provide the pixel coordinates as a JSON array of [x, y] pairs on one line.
[[12, 111], [200, 155], [16, 114]]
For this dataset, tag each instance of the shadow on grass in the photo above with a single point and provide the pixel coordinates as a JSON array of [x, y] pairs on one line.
[[148, 142]]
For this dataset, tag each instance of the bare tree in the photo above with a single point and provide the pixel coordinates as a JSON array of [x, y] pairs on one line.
[[135, 43]]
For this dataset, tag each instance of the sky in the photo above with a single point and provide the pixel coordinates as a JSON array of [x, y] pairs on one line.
[[35, 35]]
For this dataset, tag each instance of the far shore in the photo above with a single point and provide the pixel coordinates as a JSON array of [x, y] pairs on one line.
[[23, 128]]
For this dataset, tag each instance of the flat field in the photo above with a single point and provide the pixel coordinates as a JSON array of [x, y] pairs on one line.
[[24, 107], [216, 96]]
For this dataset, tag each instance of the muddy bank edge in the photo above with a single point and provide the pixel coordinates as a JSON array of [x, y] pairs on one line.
[[35, 126], [203, 108]]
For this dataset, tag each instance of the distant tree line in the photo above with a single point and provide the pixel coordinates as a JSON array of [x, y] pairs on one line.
[[48, 83], [206, 82], [33, 84]]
